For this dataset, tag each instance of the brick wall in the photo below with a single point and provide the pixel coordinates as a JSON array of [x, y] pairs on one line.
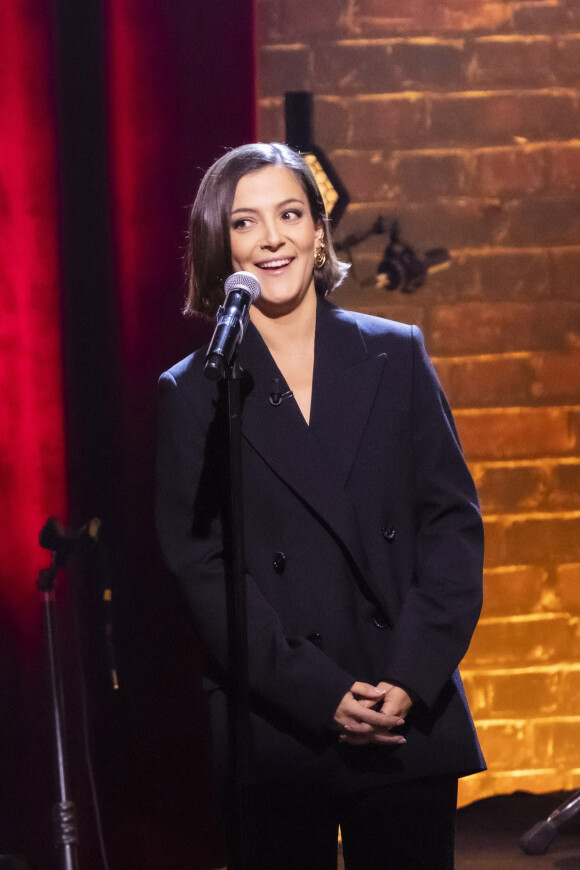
[[461, 118]]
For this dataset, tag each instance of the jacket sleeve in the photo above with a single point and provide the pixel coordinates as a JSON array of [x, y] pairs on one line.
[[288, 674], [441, 608]]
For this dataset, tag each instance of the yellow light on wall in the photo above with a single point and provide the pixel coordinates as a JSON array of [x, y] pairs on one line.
[[325, 186], [298, 107]]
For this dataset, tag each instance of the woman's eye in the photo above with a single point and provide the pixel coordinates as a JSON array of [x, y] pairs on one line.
[[292, 214], [241, 223]]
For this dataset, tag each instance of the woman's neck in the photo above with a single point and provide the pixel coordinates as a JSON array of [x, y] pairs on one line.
[[290, 333]]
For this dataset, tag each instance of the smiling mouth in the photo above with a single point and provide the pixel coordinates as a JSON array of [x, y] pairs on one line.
[[275, 264]]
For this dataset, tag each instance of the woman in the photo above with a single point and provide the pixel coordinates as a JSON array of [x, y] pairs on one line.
[[363, 537]]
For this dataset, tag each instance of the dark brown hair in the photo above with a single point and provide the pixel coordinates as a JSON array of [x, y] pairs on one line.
[[208, 257]]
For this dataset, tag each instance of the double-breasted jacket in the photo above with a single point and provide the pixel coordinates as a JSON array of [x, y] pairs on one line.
[[363, 547]]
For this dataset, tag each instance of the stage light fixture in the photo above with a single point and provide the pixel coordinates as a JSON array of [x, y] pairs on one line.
[[298, 109]]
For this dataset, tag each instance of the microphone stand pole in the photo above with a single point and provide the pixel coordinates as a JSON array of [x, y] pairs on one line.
[[64, 809], [239, 736]]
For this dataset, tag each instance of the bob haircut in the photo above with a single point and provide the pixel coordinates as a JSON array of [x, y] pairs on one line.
[[208, 258]]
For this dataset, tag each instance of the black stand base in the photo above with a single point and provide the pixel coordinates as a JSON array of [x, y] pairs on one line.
[[538, 838]]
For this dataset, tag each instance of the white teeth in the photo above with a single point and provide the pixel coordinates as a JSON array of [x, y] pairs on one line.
[[274, 264]]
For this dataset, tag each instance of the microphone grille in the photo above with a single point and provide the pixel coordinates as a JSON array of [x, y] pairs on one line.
[[243, 281]]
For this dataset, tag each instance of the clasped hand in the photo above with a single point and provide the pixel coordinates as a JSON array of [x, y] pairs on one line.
[[371, 714]]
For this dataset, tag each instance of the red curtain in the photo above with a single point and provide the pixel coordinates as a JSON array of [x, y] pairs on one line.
[[177, 88], [32, 453]]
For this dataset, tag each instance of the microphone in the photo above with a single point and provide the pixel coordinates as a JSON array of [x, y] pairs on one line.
[[276, 395], [241, 289]]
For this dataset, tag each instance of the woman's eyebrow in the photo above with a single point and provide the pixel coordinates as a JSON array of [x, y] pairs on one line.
[[282, 204]]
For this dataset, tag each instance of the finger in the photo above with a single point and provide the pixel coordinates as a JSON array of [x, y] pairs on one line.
[[355, 739], [378, 720], [389, 739], [363, 722], [365, 690]]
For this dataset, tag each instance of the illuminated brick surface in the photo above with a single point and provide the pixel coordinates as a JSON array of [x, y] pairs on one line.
[[462, 119]]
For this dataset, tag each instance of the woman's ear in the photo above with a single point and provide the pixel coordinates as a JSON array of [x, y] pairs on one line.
[[319, 236]]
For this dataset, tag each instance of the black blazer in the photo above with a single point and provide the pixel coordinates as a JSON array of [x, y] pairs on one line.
[[364, 547]]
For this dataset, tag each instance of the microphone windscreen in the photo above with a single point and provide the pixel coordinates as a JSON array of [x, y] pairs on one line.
[[243, 281]]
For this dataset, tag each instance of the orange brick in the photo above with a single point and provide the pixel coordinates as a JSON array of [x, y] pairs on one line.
[[513, 274], [365, 173], [521, 641], [488, 327], [527, 486], [503, 171], [420, 176], [511, 590], [506, 744], [556, 741], [495, 543], [511, 489], [427, 65], [385, 17], [540, 17], [296, 21], [565, 487], [518, 432], [488, 118], [567, 58], [331, 123], [565, 272], [389, 122], [517, 695], [564, 164], [511, 61], [568, 589], [556, 377], [352, 68], [570, 694], [470, 382], [542, 220], [536, 540]]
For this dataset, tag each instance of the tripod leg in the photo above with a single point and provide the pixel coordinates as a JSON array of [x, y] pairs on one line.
[[538, 838]]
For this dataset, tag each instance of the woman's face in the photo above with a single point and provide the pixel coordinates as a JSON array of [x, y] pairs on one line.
[[274, 237]]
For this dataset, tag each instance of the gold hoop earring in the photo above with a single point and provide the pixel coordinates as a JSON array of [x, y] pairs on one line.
[[320, 256]]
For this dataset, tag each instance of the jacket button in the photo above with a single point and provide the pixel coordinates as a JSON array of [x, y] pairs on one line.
[[388, 533], [315, 638], [380, 620], [279, 563]]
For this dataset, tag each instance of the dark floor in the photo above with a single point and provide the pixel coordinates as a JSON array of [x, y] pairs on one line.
[[488, 834]]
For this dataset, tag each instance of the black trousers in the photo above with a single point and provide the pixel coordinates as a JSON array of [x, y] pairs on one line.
[[405, 826]]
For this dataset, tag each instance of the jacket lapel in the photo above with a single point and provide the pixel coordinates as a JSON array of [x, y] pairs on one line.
[[346, 381], [315, 460]]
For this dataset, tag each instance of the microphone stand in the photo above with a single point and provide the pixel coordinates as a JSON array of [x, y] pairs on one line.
[[239, 736], [64, 809]]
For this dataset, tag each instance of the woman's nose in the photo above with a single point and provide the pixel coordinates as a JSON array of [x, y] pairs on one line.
[[272, 237]]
